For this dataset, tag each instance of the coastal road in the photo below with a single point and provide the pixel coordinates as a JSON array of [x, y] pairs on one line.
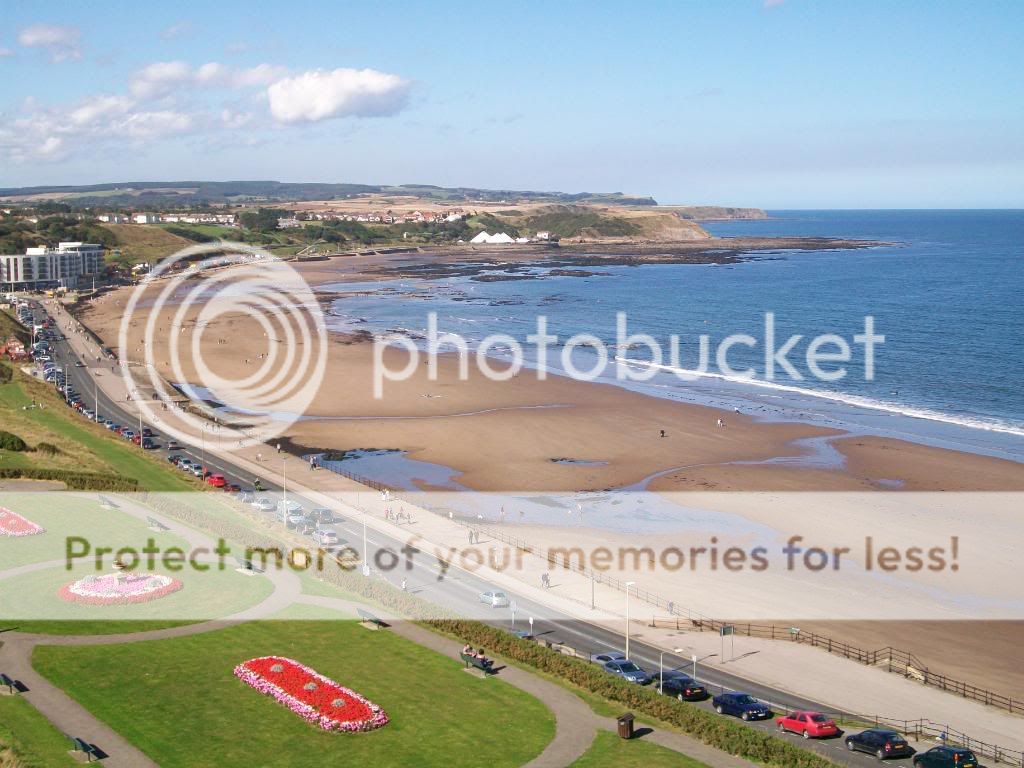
[[459, 590]]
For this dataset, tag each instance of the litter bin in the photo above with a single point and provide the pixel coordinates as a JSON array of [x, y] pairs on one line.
[[626, 726]]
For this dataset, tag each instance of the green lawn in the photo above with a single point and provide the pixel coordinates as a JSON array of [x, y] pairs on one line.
[[83, 445], [64, 515], [178, 700], [209, 595], [27, 739], [609, 751]]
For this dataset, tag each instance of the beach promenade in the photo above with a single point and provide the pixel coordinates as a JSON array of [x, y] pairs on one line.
[[844, 685]]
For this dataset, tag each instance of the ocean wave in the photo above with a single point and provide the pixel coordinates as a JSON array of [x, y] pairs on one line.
[[857, 401]]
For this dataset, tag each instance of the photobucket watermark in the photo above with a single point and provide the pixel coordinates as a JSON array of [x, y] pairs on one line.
[[500, 356]]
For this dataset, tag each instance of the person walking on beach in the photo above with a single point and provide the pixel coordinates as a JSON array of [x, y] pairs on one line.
[[663, 433]]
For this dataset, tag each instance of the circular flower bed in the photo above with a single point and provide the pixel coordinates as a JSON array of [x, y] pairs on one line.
[[310, 695], [13, 524], [119, 589]]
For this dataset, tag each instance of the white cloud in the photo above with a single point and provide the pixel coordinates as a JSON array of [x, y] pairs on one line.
[[60, 42], [319, 95], [5, 52], [174, 31], [50, 134], [164, 77]]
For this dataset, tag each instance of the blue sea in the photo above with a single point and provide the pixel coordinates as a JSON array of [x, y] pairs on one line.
[[947, 294]]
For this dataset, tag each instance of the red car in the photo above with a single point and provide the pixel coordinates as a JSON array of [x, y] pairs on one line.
[[810, 725], [217, 481]]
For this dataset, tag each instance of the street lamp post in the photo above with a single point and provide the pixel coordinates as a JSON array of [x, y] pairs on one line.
[[695, 660], [628, 585]]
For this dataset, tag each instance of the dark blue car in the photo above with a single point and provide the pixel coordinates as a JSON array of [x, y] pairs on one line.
[[741, 705]]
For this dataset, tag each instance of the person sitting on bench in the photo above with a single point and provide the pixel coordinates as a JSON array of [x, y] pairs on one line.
[[467, 650], [479, 655]]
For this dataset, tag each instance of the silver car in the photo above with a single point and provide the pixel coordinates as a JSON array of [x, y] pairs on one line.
[[494, 599]]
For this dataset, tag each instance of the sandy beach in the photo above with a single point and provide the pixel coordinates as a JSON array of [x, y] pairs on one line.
[[504, 436]]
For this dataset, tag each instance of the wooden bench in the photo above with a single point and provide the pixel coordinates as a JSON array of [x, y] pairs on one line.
[[246, 567], [477, 665], [82, 750], [368, 620], [9, 684], [156, 525]]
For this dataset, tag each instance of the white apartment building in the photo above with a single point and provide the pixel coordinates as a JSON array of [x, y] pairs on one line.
[[64, 266]]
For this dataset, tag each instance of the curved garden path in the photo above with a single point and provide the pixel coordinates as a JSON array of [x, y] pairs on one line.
[[575, 723]]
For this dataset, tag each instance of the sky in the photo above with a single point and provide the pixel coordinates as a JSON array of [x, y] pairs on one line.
[[766, 103]]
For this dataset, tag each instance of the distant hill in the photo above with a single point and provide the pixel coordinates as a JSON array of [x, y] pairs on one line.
[[171, 193]]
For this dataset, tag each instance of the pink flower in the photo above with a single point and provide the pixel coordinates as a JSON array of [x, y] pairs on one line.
[[310, 695], [13, 524]]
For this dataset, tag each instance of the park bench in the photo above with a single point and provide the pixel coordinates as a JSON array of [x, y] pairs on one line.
[[9, 684], [368, 620], [156, 525], [246, 567], [473, 663], [80, 746]]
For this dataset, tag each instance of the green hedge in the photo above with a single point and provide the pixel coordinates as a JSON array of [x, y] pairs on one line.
[[77, 481], [714, 730], [11, 442], [5, 373]]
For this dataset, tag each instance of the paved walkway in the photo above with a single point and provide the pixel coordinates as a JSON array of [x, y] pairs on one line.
[[575, 723]]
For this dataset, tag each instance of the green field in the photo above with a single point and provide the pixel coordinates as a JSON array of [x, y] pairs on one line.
[[27, 739], [609, 751], [64, 515], [210, 595], [179, 702], [82, 446]]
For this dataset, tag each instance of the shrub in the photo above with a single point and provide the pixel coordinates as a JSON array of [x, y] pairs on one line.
[[714, 730], [5, 373], [48, 448], [11, 442], [78, 481]]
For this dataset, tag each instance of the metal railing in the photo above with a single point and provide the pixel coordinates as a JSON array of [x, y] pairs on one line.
[[892, 659]]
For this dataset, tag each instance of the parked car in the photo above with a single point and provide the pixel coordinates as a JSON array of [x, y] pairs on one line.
[[683, 687], [174, 446], [174, 458], [147, 432], [880, 743], [296, 520], [199, 471], [148, 444], [946, 757], [264, 504], [232, 488], [325, 537], [217, 481], [810, 725], [494, 599], [629, 670], [741, 705], [322, 515], [605, 656]]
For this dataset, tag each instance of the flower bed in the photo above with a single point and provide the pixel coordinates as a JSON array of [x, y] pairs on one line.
[[13, 524], [310, 695], [119, 589]]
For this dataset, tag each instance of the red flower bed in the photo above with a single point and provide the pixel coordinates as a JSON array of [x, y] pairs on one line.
[[311, 695], [112, 590], [13, 524]]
